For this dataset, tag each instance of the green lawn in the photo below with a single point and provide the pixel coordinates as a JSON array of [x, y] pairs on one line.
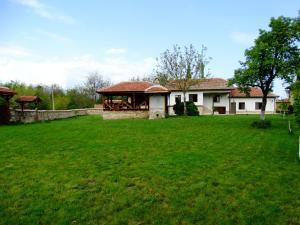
[[202, 170]]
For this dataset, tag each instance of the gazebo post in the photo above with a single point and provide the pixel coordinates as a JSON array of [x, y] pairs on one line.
[[133, 100], [111, 101]]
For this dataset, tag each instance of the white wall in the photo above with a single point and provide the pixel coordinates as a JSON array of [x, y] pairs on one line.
[[204, 101], [156, 106], [171, 98], [250, 105], [208, 102]]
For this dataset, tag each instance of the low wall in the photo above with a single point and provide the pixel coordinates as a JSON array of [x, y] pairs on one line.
[[111, 115], [94, 111], [253, 112], [29, 116]]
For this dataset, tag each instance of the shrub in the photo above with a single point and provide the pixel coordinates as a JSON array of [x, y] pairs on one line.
[[178, 108], [261, 124], [191, 109]]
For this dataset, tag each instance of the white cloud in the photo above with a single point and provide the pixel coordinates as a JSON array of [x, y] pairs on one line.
[[68, 73], [115, 51], [243, 38], [13, 51], [44, 11]]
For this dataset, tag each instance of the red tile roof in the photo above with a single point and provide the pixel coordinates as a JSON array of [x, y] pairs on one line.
[[202, 84], [254, 92], [27, 99], [133, 86], [7, 91]]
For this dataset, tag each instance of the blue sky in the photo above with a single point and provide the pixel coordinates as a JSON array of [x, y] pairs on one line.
[[62, 41]]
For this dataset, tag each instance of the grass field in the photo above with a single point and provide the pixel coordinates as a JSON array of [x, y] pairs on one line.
[[203, 170]]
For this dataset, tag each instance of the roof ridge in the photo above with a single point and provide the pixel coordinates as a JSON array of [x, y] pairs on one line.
[[156, 85]]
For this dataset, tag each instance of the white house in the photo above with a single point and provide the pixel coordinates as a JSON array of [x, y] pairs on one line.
[[214, 96], [142, 99], [241, 103], [209, 95]]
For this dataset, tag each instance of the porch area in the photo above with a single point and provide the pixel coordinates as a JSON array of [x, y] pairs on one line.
[[137, 99], [125, 102]]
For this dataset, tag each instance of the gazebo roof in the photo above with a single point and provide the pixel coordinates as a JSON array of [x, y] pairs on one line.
[[7, 91], [134, 87], [28, 99]]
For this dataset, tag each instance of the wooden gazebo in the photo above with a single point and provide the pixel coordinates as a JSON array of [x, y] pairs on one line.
[[132, 95], [134, 99], [6, 94]]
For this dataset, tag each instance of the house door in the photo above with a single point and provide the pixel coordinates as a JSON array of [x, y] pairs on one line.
[[233, 108], [220, 110]]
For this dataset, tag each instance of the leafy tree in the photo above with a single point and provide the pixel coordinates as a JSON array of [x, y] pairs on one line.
[[181, 66], [274, 55], [43, 93], [78, 99]]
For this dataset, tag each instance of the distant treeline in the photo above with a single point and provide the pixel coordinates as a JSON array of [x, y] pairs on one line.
[[81, 96]]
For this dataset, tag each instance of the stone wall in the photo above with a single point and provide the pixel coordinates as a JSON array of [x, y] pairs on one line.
[[110, 115], [94, 111], [29, 116]]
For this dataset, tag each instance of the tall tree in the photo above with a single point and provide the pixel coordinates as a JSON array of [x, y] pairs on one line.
[[274, 55], [93, 82], [181, 66]]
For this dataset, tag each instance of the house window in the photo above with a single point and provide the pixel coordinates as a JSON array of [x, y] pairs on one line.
[[217, 98], [258, 105], [193, 97], [177, 98], [241, 105]]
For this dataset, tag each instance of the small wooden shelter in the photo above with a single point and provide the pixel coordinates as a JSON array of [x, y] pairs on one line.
[[22, 100], [6, 94]]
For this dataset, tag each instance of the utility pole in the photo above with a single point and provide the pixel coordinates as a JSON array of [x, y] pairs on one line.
[[53, 105]]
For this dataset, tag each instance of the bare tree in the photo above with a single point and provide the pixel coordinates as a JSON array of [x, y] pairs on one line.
[[144, 78], [182, 66], [93, 82]]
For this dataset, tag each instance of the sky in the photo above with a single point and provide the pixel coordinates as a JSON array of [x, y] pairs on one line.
[[61, 42]]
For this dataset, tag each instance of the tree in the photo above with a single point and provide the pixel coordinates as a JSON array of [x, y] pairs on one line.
[[162, 78], [274, 55], [144, 78], [93, 82], [78, 99], [181, 67]]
